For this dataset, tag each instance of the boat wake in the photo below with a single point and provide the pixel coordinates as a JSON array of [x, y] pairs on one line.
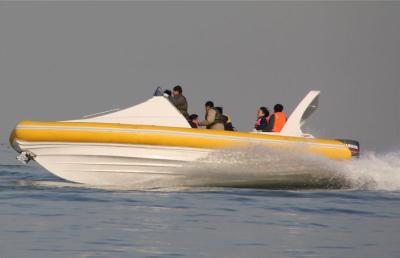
[[373, 171], [258, 167]]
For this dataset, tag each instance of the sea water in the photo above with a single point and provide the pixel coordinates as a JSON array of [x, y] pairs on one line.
[[43, 216]]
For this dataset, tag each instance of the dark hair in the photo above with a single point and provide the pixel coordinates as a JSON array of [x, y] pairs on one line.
[[193, 116], [178, 88], [278, 108], [220, 109], [209, 104], [265, 111]]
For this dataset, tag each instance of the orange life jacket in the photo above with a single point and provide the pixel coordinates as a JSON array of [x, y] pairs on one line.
[[280, 120]]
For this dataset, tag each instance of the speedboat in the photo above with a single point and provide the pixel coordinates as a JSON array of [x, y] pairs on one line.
[[152, 141]]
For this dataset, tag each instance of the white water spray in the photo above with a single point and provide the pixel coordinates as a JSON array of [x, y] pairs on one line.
[[373, 171], [264, 168]]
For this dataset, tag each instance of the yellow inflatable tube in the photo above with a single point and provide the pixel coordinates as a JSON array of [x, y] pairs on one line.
[[169, 136]]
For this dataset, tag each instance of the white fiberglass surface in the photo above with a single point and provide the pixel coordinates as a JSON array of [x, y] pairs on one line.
[[156, 111]]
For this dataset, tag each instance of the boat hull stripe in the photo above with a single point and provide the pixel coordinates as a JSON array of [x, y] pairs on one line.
[[169, 136]]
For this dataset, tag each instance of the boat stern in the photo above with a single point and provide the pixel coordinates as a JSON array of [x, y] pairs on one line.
[[353, 146]]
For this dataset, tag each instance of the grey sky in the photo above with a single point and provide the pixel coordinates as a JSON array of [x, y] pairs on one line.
[[62, 60]]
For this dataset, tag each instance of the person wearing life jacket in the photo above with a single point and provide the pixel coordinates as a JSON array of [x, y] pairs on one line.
[[228, 124], [179, 101], [262, 119], [213, 118], [277, 120], [226, 119]]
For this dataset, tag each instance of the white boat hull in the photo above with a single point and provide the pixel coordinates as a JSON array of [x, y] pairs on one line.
[[145, 167], [113, 164]]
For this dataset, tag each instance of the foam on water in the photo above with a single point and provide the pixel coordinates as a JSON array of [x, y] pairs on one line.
[[264, 168], [373, 171], [260, 167]]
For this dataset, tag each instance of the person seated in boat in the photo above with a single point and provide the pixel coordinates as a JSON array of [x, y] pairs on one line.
[[262, 119], [213, 117], [194, 120], [226, 119], [179, 101], [277, 120]]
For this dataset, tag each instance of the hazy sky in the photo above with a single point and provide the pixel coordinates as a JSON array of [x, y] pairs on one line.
[[62, 60]]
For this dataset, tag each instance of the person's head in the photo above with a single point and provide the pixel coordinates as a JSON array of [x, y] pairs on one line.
[[262, 111], [209, 104], [193, 117], [278, 108], [220, 109], [177, 90]]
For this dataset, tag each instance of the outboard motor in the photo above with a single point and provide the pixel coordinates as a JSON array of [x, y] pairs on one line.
[[354, 147]]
